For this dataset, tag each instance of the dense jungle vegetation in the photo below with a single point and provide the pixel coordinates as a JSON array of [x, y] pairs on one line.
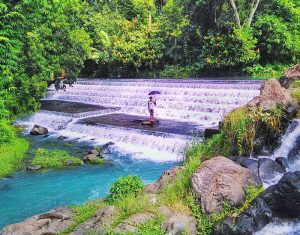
[[140, 38]]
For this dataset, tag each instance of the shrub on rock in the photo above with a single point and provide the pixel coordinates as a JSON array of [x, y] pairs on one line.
[[125, 186], [54, 159]]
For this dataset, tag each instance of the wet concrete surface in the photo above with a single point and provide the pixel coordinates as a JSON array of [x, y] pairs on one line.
[[135, 122], [69, 107]]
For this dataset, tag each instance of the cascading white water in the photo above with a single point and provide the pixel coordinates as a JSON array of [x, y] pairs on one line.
[[201, 102]]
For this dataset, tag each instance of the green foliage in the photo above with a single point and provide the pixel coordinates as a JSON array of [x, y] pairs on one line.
[[295, 85], [124, 187], [175, 71], [7, 132], [277, 30], [268, 71], [152, 227], [97, 161], [12, 155], [54, 159], [235, 49], [296, 94]]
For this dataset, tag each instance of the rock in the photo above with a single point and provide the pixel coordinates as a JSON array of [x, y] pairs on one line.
[[273, 94], [295, 151], [210, 132], [272, 90], [254, 218], [250, 221], [97, 223], [278, 201], [180, 224], [268, 169], [62, 137], [34, 168], [290, 76], [218, 180], [125, 229], [284, 198], [165, 211], [131, 224], [51, 222], [70, 163], [283, 162], [93, 151], [251, 164], [105, 149], [38, 130], [89, 157], [166, 178], [108, 144]]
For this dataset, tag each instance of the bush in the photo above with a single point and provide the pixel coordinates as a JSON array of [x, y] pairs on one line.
[[296, 95], [97, 161], [7, 133], [295, 85], [268, 71], [12, 156], [54, 159], [125, 186], [175, 71]]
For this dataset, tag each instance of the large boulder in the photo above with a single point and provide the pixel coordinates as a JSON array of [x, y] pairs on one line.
[[284, 197], [51, 222], [97, 223], [290, 76], [166, 178], [273, 94], [38, 130], [218, 180]]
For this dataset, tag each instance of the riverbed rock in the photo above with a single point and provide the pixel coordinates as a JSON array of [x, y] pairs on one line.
[[34, 168], [93, 151], [97, 223], [51, 222], [269, 169], [250, 221], [283, 162], [284, 198], [131, 224], [90, 157], [180, 224], [278, 201], [290, 76], [218, 180], [38, 130], [166, 178]]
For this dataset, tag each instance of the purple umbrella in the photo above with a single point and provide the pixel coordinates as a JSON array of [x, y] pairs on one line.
[[154, 93]]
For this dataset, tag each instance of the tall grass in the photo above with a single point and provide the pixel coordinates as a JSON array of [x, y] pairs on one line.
[[12, 155]]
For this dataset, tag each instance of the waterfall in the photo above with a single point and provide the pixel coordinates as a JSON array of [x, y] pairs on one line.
[[197, 103]]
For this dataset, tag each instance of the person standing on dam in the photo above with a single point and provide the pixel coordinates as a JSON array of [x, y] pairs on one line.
[[151, 105]]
